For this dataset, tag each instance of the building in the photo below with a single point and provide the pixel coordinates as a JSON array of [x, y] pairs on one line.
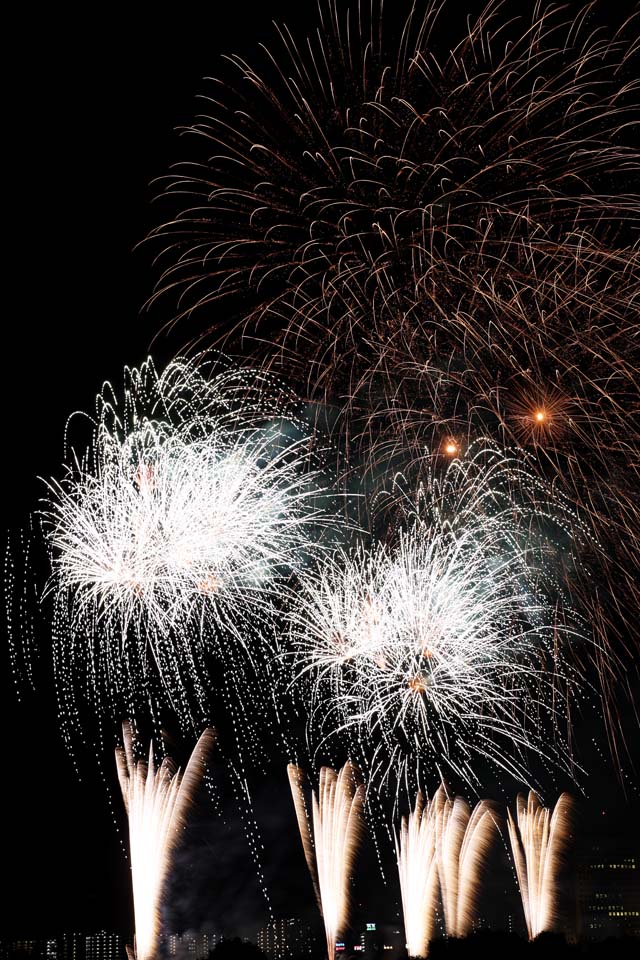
[[71, 946], [103, 946], [380, 940], [286, 937], [608, 888], [191, 945]]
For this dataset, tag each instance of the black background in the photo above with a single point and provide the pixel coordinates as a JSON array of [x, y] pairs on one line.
[[91, 110]]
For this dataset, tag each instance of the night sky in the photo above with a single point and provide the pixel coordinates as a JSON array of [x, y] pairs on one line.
[[92, 121]]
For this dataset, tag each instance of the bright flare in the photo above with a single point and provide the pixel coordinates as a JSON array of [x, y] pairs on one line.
[[176, 531], [156, 800]]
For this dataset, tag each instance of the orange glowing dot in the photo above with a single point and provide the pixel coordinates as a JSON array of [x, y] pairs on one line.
[[418, 684], [451, 448], [540, 416], [211, 585]]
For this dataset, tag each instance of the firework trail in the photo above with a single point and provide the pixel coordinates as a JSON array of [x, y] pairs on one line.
[[417, 867], [331, 846], [173, 535], [439, 238], [450, 644], [156, 800], [539, 841]]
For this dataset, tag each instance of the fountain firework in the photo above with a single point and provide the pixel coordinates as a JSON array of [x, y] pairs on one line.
[[451, 642], [176, 530], [331, 846], [463, 842], [156, 800], [417, 867], [539, 841], [443, 848]]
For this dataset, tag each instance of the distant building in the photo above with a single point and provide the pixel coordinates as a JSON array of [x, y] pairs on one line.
[[608, 888], [191, 945], [288, 937], [103, 946], [71, 946], [380, 941]]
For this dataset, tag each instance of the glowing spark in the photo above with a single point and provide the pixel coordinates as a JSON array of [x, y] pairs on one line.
[[156, 800], [539, 841], [331, 851]]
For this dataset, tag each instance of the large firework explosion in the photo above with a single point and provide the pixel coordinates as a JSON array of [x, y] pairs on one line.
[[173, 535], [451, 644], [439, 240]]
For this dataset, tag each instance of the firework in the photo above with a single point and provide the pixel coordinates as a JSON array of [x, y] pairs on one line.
[[417, 867], [443, 848], [450, 642], [439, 238], [331, 844], [156, 800], [539, 841], [193, 499], [463, 842]]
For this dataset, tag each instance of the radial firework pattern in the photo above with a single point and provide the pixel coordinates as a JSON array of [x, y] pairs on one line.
[[173, 536], [440, 239], [451, 644]]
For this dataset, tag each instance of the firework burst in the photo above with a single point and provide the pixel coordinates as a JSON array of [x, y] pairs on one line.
[[331, 845], [450, 642], [194, 498], [439, 238]]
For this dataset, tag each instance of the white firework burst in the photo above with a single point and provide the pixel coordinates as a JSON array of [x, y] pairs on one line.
[[451, 642], [171, 536]]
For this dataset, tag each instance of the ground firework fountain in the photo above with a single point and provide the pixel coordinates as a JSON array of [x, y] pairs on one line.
[[539, 840], [156, 799], [330, 841]]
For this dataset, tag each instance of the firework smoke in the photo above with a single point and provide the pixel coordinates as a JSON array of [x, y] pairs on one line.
[[156, 800], [539, 841], [331, 847]]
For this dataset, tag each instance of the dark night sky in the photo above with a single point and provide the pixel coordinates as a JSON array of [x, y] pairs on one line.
[[93, 108]]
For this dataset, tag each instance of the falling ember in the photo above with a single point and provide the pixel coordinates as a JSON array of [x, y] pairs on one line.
[[156, 800], [539, 841], [331, 843], [540, 416], [451, 448]]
